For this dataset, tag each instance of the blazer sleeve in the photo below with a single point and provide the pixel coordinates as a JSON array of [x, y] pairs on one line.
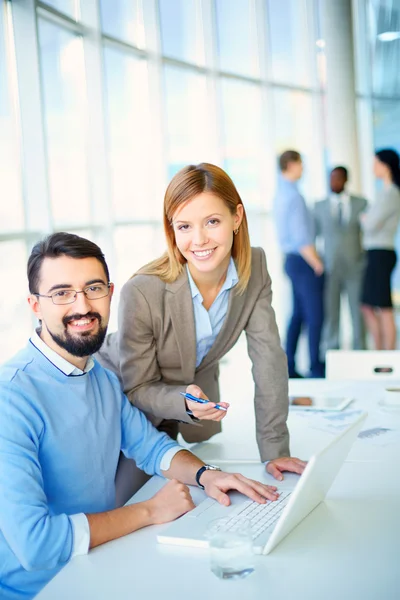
[[138, 366], [316, 220], [270, 373]]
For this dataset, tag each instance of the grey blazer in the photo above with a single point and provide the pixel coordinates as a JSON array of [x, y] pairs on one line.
[[154, 354], [343, 248]]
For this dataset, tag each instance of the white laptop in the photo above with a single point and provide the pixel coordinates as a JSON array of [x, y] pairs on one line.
[[270, 522]]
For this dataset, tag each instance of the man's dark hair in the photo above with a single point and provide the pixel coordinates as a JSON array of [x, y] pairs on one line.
[[342, 170], [61, 244], [287, 157]]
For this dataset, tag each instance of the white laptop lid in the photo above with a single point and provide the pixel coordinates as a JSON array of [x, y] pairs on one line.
[[309, 490], [315, 482]]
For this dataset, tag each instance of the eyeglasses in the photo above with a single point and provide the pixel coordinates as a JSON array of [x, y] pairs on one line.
[[92, 292]]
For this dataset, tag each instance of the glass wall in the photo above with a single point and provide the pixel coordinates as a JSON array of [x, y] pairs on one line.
[[102, 101], [11, 208], [377, 34]]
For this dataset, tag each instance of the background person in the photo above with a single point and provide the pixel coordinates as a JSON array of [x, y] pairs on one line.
[[337, 220], [380, 227], [64, 420], [184, 311], [302, 263]]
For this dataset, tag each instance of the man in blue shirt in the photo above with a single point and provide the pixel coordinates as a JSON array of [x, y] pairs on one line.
[[302, 263], [64, 421]]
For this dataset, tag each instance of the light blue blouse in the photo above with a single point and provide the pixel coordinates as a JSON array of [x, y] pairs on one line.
[[208, 323]]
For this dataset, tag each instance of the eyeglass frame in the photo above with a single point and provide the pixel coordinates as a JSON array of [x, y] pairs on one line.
[[109, 284]]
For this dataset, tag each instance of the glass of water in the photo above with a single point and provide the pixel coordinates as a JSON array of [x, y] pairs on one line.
[[231, 548]]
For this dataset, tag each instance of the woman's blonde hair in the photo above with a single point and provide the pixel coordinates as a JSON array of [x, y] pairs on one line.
[[188, 183]]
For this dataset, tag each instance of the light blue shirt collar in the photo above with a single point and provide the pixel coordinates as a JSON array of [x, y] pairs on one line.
[[231, 280], [63, 365]]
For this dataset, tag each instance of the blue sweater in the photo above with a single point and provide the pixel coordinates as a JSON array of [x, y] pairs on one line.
[[60, 439]]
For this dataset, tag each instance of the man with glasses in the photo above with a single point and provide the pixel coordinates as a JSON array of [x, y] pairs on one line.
[[64, 421]]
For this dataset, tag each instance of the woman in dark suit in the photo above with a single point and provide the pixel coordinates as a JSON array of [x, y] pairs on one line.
[[180, 314]]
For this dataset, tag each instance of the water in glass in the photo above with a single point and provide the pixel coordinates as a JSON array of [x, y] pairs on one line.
[[231, 550]]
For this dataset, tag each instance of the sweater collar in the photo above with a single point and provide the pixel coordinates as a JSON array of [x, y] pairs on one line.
[[58, 361]]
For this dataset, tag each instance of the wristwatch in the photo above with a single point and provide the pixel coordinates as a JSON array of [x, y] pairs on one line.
[[201, 471]]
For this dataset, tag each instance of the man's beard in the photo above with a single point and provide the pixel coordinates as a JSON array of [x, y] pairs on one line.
[[84, 344]]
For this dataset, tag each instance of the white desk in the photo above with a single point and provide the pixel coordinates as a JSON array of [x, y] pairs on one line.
[[348, 547], [238, 442]]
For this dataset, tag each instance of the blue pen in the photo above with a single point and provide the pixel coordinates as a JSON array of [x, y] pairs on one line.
[[200, 400]]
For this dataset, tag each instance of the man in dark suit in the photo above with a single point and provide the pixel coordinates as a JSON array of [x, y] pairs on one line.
[[337, 221]]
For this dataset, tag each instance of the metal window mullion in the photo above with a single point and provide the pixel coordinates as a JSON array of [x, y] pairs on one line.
[[211, 46], [101, 209], [157, 94], [51, 15], [6, 26], [206, 29], [29, 237], [267, 150], [264, 40], [31, 118], [113, 42], [312, 35]]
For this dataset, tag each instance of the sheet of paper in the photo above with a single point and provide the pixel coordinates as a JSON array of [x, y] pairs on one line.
[[376, 431], [379, 436], [330, 422]]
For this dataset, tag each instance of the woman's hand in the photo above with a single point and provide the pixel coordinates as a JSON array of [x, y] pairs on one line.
[[285, 463], [206, 411]]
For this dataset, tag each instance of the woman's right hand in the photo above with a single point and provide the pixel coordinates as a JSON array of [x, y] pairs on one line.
[[207, 411]]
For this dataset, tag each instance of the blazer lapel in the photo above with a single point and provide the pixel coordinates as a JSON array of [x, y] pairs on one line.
[[180, 305]]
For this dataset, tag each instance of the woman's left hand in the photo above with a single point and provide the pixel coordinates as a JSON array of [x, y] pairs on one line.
[[276, 466]]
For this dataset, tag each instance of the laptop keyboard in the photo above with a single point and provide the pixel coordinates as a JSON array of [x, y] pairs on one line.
[[261, 516]]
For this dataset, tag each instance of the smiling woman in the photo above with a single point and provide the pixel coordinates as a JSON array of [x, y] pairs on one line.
[[180, 314]]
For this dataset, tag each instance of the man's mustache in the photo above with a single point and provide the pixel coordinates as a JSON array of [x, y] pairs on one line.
[[77, 317]]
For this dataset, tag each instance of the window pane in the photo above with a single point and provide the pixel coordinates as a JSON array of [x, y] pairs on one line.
[[289, 41], [69, 7], [298, 124], [386, 119], [123, 19], [134, 247], [129, 135], [362, 53], [11, 212], [237, 37], [15, 314], [385, 42], [191, 136], [180, 30], [243, 137], [63, 79]]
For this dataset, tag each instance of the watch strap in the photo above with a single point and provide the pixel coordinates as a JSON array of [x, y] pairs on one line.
[[201, 471]]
